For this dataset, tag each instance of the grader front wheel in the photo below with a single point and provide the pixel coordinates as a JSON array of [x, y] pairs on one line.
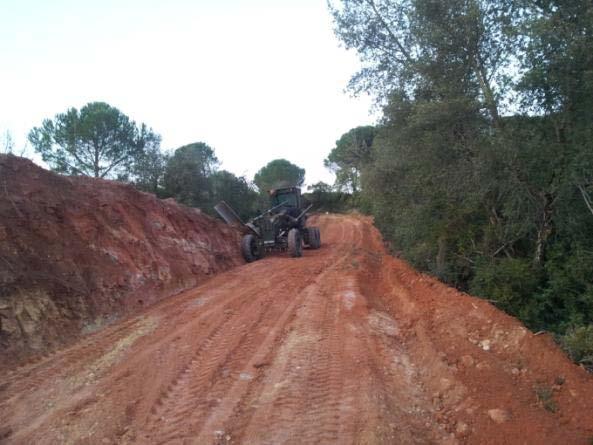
[[250, 248]]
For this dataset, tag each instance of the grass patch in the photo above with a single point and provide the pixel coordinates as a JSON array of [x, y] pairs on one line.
[[578, 343], [545, 396]]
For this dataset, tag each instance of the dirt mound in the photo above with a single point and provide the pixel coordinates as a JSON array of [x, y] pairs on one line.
[[491, 380], [76, 253]]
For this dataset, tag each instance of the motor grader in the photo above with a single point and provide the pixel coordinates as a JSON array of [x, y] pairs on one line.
[[281, 227]]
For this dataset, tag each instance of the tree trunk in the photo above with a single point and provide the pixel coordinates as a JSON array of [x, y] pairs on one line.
[[96, 164], [488, 93], [544, 230]]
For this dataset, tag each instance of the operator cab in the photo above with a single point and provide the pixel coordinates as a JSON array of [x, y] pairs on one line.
[[290, 196], [288, 203]]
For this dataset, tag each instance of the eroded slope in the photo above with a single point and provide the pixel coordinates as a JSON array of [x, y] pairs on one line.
[[77, 253]]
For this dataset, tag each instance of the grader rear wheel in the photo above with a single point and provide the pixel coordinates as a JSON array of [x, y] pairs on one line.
[[314, 238], [309, 236], [295, 244]]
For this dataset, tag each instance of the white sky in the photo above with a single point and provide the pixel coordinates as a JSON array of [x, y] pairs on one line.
[[256, 80]]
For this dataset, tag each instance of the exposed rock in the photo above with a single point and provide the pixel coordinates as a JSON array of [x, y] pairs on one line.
[[485, 345], [499, 415], [461, 429], [467, 361]]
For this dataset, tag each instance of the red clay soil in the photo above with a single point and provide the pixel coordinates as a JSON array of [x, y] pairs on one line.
[[343, 345], [77, 253]]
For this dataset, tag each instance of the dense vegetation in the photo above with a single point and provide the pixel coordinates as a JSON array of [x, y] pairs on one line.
[[101, 141], [481, 168], [327, 198]]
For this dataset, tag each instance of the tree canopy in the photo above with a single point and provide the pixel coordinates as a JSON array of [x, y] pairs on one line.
[[480, 168], [187, 174], [411, 47], [279, 173], [351, 153], [97, 140], [235, 191], [100, 141], [148, 170]]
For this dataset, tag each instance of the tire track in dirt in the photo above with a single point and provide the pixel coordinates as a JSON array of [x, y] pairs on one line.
[[63, 361], [441, 387], [280, 396], [204, 381], [220, 420], [201, 385], [305, 385], [55, 373], [67, 362]]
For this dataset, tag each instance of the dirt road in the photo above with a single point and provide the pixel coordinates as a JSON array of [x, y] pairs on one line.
[[344, 345]]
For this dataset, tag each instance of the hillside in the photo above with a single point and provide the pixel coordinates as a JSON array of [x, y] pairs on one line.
[[78, 253]]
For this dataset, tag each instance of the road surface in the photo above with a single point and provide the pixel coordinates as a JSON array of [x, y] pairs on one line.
[[344, 345]]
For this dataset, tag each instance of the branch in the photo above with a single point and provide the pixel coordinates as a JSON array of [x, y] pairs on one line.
[[495, 59], [486, 89], [586, 198], [74, 169], [114, 164], [79, 159], [463, 257], [391, 34]]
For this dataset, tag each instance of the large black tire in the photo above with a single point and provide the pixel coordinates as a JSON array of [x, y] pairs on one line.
[[295, 245], [250, 248], [308, 236], [314, 240]]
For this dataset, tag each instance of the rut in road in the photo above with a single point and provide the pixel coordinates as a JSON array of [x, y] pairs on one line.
[[343, 345]]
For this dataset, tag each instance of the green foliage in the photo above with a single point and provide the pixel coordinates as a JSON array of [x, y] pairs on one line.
[[578, 342], [279, 173], [325, 199], [508, 281], [497, 203], [559, 83], [425, 159], [235, 191], [351, 153], [191, 176], [186, 176], [423, 48], [99, 140], [545, 396], [148, 170]]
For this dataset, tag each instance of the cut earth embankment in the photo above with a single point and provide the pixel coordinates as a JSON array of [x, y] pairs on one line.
[[77, 253]]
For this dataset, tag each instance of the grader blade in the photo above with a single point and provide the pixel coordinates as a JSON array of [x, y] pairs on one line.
[[227, 213]]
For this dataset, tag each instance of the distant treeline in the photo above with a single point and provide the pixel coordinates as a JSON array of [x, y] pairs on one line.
[[100, 141], [481, 168]]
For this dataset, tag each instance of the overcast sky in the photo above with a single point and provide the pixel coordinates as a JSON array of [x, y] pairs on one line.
[[256, 80]]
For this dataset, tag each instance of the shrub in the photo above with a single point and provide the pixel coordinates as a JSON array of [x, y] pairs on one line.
[[578, 343]]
